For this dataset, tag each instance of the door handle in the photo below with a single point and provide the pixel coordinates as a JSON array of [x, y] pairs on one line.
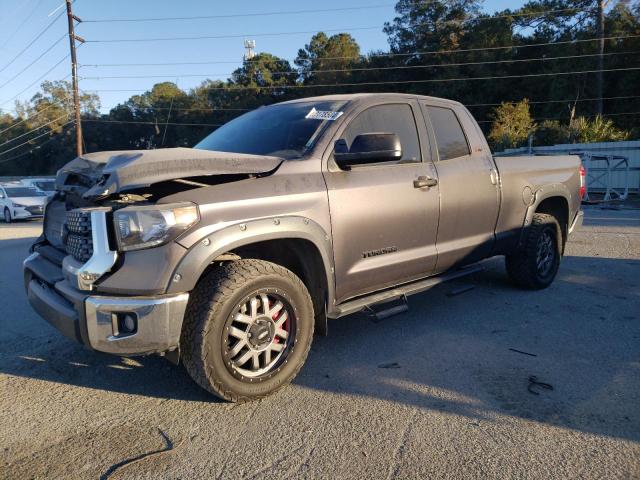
[[493, 176], [424, 181]]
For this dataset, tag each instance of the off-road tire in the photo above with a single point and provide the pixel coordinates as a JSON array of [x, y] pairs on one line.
[[214, 299], [522, 266], [6, 215]]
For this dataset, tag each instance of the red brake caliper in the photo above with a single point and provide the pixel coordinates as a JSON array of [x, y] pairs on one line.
[[274, 318]]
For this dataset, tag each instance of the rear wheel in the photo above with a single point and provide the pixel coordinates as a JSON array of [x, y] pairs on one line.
[[247, 330], [7, 215], [536, 264]]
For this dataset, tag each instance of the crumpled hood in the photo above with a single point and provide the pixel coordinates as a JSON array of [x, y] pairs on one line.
[[106, 173]]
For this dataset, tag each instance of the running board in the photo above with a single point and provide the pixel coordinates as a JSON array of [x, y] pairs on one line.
[[359, 304]]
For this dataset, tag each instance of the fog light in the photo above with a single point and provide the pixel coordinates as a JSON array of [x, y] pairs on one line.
[[127, 323]]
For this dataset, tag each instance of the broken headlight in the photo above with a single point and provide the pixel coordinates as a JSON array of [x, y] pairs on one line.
[[152, 225]]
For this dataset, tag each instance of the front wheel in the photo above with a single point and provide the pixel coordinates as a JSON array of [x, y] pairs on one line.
[[7, 215], [536, 264], [247, 330]]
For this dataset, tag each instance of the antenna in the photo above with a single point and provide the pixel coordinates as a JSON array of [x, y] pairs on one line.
[[249, 46]]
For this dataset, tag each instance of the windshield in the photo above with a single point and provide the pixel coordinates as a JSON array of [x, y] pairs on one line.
[[47, 186], [284, 130], [23, 192]]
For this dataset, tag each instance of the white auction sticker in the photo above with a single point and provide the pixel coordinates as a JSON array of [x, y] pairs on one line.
[[323, 115]]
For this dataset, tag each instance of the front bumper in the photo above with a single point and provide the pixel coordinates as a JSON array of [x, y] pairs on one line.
[[23, 213], [97, 321]]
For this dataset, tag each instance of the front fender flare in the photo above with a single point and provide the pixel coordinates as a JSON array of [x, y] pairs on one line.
[[211, 246]]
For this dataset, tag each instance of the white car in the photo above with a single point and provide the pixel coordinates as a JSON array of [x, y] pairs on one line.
[[46, 185], [18, 202]]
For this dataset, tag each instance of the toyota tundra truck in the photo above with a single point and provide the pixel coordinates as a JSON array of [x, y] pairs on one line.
[[227, 256]]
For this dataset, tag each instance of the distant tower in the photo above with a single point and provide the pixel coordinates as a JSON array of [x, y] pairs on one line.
[[249, 46]]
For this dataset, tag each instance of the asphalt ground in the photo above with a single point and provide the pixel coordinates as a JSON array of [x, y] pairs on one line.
[[439, 392]]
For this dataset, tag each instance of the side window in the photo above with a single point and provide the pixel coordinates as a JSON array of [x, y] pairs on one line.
[[449, 135], [393, 118]]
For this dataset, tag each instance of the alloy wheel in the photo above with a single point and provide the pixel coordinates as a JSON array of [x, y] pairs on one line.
[[545, 255], [259, 335]]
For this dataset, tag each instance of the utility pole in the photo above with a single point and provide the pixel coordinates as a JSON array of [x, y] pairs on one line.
[[74, 74], [600, 73]]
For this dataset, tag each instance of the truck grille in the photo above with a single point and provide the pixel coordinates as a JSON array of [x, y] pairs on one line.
[[69, 231], [78, 242]]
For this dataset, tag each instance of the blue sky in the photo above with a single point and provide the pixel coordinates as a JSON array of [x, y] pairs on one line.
[[15, 35]]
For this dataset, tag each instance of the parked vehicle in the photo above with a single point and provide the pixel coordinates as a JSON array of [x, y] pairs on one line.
[[228, 255], [18, 202], [46, 185]]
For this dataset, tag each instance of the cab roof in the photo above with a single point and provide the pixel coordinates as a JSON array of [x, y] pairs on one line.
[[368, 97]]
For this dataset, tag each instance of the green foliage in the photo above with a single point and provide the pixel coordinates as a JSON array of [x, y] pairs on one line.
[[318, 61], [583, 130], [512, 125]]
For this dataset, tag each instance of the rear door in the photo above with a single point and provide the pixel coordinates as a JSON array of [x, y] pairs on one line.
[[384, 228], [469, 191]]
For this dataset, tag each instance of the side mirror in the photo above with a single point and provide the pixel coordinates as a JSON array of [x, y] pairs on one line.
[[368, 148]]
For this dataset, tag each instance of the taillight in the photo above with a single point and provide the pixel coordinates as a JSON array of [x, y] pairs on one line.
[[583, 181]]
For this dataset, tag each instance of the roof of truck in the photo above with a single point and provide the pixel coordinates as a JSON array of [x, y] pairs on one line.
[[368, 96]]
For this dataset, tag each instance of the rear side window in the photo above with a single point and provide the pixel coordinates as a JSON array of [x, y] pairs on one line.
[[394, 118], [449, 135]]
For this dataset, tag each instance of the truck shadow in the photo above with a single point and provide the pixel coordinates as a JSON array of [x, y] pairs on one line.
[[471, 354]]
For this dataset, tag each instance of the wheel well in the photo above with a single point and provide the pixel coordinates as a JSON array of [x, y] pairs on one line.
[[559, 208], [300, 256]]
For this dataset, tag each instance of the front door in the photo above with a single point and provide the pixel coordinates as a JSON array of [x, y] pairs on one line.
[[384, 228], [469, 194]]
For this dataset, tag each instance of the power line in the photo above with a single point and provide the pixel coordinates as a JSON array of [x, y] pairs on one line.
[[32, 42], [266, 34], [34, 61], [569, 100], [100, 120], [5, 160], [584, 116], [34, 129], [368, 69], [297, 12], [236, 35], [379, 55], [238, 15], [21, 24], [142, 122], [34, 138], [38, 79], [396, 82], [31, 117]]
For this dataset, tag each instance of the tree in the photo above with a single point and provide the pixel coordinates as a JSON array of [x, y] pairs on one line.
[[53, 102], [264, 71], [429, 25], [512, 125], [337, 52]]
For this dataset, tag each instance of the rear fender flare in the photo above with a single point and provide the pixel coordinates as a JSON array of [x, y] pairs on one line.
[[548, 191], [204, 252]]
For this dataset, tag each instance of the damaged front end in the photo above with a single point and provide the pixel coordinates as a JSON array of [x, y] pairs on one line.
[[108, 206]]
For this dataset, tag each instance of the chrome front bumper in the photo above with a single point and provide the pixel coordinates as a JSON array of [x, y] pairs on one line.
[[96, 321], [158, 321]]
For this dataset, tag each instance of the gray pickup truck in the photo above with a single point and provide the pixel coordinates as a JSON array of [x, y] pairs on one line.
[[229, 255]]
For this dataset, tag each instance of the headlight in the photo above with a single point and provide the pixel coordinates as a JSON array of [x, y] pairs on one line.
[[152, 225], [18, 205]]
